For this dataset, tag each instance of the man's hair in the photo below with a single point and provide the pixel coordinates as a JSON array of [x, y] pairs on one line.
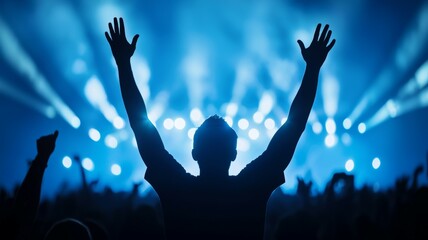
[[214, 130]]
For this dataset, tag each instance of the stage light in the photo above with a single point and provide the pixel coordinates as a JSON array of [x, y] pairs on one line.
[[266, 103], [116, 169], [94, 134], [231, 109], [243, 123], [317, 127], [88, 164], [16, 56], [191, 133], [196, 116], [269, 123], [118, 122], [330, 140], [376, 163], [362, 128], [179, 123], [111, 141], [66, 162], [258, 117], [243, 145], [168, 123], [347, 123], [330, 126], [253, 133], [229, 120], [349, 165]]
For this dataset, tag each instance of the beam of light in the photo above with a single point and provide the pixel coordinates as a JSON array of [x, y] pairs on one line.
[[26, 99], [418, 82], [330, 93], [282, 72], [157, 106], [266, 103], [22, 63], [96, 95], [195, 70], [142, 76], [244, 75], [116, 169], [88, 164], [349, 165], [376, 163], [66, 162], [408, 51]]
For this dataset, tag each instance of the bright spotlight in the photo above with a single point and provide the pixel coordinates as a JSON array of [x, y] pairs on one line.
[[88, 164], [168, 124], [75, 121], [253, 133], [179, 123], [362, 128], [191, 133], [94, 134], [330, 140], [111, 141], [243, 145], [266, 102], [330, 126], [258, 117], [269, 123], [118, 122], [376, 163], [229, 120], [347, 123], [231, 109], [66, 162], [349, 165], [116, 169], [196, 115], [243, 123], [317, 127]]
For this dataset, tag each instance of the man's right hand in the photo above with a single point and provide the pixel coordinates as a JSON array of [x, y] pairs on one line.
[[122, 50]]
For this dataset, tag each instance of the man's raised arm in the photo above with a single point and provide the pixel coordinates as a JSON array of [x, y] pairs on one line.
[[148, 138], [281, 147]]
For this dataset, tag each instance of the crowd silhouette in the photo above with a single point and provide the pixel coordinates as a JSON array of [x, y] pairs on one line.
[[214, 205]]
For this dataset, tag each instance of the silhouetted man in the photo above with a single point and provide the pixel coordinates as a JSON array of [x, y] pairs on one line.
[[215, 205]]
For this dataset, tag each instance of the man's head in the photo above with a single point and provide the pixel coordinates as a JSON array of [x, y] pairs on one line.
[[214, 145]]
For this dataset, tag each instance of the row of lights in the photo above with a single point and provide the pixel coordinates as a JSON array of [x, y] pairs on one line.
[[88, 165], [349, 165]]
